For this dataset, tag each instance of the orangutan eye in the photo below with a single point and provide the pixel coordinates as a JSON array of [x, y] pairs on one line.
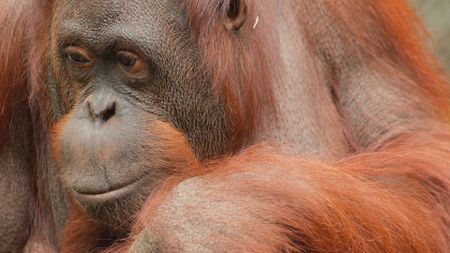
[[127, 59], [131, 63], [78, 56]]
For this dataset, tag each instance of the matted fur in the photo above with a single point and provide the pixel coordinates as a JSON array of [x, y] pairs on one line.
[[394, 198], [241, 64]]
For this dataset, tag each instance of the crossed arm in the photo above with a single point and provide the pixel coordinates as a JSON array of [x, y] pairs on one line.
[[395, 199]]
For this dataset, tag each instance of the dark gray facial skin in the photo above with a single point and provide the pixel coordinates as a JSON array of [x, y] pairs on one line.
[[121, 67]]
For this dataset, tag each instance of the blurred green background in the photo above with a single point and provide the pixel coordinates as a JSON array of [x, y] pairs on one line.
[[436, 16]]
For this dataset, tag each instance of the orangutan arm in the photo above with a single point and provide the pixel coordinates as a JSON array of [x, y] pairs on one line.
[[395, 199]]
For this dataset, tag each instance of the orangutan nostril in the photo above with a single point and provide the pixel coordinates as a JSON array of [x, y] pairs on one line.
[[101, 111]]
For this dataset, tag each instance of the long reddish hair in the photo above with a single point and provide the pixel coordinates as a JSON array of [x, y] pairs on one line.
[[244, 78]]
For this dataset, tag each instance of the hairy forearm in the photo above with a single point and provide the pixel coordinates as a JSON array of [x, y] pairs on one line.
[[394, 199]]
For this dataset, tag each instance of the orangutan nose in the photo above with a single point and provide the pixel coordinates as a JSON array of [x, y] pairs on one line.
[[101, 108]]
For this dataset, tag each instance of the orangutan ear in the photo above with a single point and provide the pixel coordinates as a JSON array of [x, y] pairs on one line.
[[236, 15]]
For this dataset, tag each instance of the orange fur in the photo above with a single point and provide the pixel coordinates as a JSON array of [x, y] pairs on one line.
[[393, 197], [239, 65], [81, 233]]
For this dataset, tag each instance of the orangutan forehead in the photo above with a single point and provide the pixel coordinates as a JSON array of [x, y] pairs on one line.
[[104, 22], [145, 13], [100, 13]]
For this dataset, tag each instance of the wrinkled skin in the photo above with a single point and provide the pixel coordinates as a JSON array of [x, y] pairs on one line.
[[134, 108], [113, 112]]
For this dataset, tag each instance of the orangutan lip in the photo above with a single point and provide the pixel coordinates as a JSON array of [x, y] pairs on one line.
[[112, 195]]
